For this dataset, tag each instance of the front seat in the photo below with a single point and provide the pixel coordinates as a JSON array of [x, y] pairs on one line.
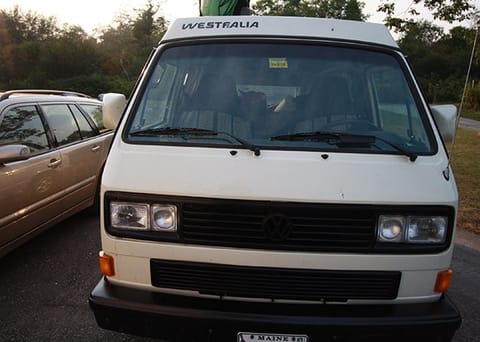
[[329, 101], [215, 105]]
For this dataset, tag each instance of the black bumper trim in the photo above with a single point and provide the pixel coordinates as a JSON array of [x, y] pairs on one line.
[[170, 316]]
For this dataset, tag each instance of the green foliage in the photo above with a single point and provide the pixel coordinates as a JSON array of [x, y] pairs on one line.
[[340, 9], [472, 98], [26, 26], [444, 10], [440, 60], [36, 52]]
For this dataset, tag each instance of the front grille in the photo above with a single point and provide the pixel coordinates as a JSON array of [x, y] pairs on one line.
[[274, 283], [311, 227], [279, 226]]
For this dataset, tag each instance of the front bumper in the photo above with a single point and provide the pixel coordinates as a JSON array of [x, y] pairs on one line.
[[193, 319]]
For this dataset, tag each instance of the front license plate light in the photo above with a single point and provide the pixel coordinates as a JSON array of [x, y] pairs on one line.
[[253, 337]]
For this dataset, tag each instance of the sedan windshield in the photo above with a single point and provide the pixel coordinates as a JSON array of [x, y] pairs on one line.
[[279, 96]]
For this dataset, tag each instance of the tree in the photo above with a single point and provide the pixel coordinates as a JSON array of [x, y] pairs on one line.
[[126, 44], [27, 26], [444, 10], [340, 9], [36, 51], [439, 59]]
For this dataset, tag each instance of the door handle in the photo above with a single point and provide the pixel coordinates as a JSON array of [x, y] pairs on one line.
[[96, 148], [54, 163]]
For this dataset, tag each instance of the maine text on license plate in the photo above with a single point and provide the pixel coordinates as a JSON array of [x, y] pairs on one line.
[[254, 337]]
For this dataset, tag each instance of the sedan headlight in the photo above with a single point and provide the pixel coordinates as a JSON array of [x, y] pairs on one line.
[[143, 217], [412, 229]]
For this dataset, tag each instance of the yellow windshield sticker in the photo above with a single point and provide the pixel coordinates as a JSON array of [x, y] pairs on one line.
[[278, 63]]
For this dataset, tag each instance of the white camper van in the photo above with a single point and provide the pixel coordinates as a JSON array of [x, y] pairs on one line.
[[277, 179]]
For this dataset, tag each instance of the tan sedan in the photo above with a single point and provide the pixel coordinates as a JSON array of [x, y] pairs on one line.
[[52, 150]]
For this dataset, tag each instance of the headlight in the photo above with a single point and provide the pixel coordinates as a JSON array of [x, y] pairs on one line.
[[391, 228], [427, 229], [412, 229], [129, 215], [164, 217], [143, 217]]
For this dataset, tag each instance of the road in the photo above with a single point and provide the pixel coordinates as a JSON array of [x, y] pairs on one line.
[[469, 124], [44, 287]]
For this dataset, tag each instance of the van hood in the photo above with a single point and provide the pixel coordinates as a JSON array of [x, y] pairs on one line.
[[279, 175]]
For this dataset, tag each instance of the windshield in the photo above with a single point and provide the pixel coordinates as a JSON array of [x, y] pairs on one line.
[[250, 94]]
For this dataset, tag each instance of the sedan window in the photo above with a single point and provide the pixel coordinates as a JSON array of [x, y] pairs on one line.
[[62, 123], [95, 113], [22, 125], [86, 131]]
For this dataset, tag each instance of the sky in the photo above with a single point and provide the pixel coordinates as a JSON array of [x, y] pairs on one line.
[[94, 14]]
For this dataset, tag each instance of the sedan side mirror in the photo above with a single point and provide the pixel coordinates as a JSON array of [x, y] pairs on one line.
[[13, 153]]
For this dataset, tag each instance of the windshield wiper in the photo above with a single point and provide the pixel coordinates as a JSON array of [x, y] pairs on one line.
[[343, 140], [173, 131], [196, 132], [254, 148], [328, 137]]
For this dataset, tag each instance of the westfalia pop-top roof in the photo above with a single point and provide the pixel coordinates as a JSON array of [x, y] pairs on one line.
[[270, 26]]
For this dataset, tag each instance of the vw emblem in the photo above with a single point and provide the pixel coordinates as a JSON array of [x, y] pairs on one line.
[[277, 227]]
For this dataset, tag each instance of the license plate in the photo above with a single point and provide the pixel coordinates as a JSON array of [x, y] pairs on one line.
[[254, 337]]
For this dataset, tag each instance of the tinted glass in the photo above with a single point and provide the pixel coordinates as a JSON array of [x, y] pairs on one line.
[[62, 123], [86, 131], [258, 92], [95, 113], [22, 125]]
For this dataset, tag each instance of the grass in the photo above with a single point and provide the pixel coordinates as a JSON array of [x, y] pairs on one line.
[[471, 115], [466, 167]]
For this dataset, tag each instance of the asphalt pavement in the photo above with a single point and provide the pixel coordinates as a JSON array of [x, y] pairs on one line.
[[469, 124], [467, 239]]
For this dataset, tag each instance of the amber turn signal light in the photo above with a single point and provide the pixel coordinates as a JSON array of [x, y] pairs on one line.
[[106, 264], [443, 280]]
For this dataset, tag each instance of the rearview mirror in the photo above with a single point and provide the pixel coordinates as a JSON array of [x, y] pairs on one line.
[[13, 153], [445, 116], [113, 106]]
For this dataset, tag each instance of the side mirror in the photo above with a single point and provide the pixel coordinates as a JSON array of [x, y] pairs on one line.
[[446, 118], [113, 106], [13, 153]]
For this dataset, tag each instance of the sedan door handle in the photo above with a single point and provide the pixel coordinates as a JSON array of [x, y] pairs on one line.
[[54, 163], [95, 148]]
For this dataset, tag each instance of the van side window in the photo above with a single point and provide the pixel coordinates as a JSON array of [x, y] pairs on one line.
[[23, 125]]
